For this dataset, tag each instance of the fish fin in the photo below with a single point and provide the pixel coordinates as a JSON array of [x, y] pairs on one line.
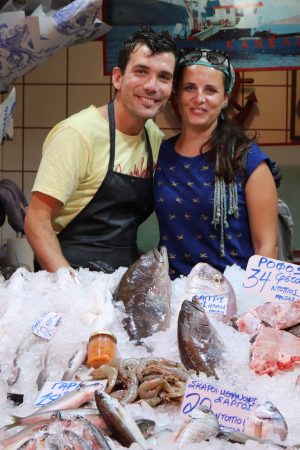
[[129, 326], [16, 422], [140, 342]]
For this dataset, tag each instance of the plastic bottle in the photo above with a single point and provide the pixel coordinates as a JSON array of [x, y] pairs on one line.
[[101, 349]]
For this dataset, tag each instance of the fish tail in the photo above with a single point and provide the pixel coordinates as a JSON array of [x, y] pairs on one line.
[[15, 423]]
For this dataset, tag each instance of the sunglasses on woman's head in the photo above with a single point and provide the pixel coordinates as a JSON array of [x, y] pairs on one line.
[[215, 57]]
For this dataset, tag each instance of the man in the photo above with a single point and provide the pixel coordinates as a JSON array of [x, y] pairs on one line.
[[94, 184]]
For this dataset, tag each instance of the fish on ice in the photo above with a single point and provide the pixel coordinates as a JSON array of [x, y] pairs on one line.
[[145, 290], [267, 422], [200, 346], [210, 286], [119, 421], [200, 425]]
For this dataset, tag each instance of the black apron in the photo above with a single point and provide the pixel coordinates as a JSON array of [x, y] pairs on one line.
[[103, 236]]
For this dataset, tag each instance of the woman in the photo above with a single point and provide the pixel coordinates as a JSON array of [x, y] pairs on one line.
[[209, 209]]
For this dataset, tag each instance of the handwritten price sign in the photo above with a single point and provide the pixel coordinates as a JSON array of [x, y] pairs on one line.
[[216, 304], [53, 390], [46, 324], [231, 408], [277, 281]]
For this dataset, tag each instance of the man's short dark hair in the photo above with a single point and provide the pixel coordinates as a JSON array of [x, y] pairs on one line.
[[157, 42]]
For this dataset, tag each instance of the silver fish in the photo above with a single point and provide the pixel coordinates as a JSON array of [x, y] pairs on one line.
[[93, 435], [200, 346], [75, 441], [52, 442], [16, 440], [200, 425], [43, 374], [238, 437], [75, 361], [206, 283], [146, 426], [145, 290], [122, 425], [82, 394], [266, 422], [91, 414], [23, 348]]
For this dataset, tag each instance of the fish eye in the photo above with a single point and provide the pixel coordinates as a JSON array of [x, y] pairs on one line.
[[205, 410], [218, 279]]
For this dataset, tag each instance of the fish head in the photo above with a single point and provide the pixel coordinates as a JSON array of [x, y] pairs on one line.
[[201, 412], [271, 421], [207, 278], [103, 400], [268, 411], [194, 309], [161, 255], [156, 260], [202, 421], [108, 403]]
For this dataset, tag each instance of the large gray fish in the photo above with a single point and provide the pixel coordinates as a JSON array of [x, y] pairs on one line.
[[119, 421], [210, 286], [200, 346], [145, 290]]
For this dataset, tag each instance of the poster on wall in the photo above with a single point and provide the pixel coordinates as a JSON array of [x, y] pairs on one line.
[[257, 35]]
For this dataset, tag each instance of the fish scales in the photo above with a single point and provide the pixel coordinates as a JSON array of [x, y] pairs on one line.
[[200, 346], [266, 422], [145, 290], [199, 426]]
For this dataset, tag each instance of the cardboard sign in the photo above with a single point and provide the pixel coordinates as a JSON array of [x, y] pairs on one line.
[[216, 304], [46, 324], [6, 112], [53, 390], [230, 407], [276, 281]]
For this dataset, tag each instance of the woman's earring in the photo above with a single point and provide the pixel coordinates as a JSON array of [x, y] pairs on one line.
[[221, 113]]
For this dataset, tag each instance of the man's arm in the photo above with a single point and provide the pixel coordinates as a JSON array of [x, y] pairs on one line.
[[40, 234]]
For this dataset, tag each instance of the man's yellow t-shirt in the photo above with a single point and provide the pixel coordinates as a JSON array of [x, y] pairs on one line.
[[76, 155]]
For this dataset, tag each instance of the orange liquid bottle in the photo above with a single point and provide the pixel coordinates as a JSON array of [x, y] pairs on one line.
[[101, 349]]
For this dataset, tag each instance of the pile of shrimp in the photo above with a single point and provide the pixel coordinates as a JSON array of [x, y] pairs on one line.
[[154, 380]]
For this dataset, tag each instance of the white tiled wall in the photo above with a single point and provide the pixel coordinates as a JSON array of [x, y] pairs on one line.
[[74, 79]]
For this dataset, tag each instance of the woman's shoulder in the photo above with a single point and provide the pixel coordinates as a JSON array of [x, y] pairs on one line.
[[255, 156], [256, 150]]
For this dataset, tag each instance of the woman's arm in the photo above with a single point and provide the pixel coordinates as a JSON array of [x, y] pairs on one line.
[[261, 198]]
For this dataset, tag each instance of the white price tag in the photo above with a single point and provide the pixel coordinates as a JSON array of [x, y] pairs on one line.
[[46, 324], [53, 390], [231, 408], [216, 304], [277, 281]]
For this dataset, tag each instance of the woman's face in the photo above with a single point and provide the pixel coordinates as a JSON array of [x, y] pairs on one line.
[[201, 97]]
